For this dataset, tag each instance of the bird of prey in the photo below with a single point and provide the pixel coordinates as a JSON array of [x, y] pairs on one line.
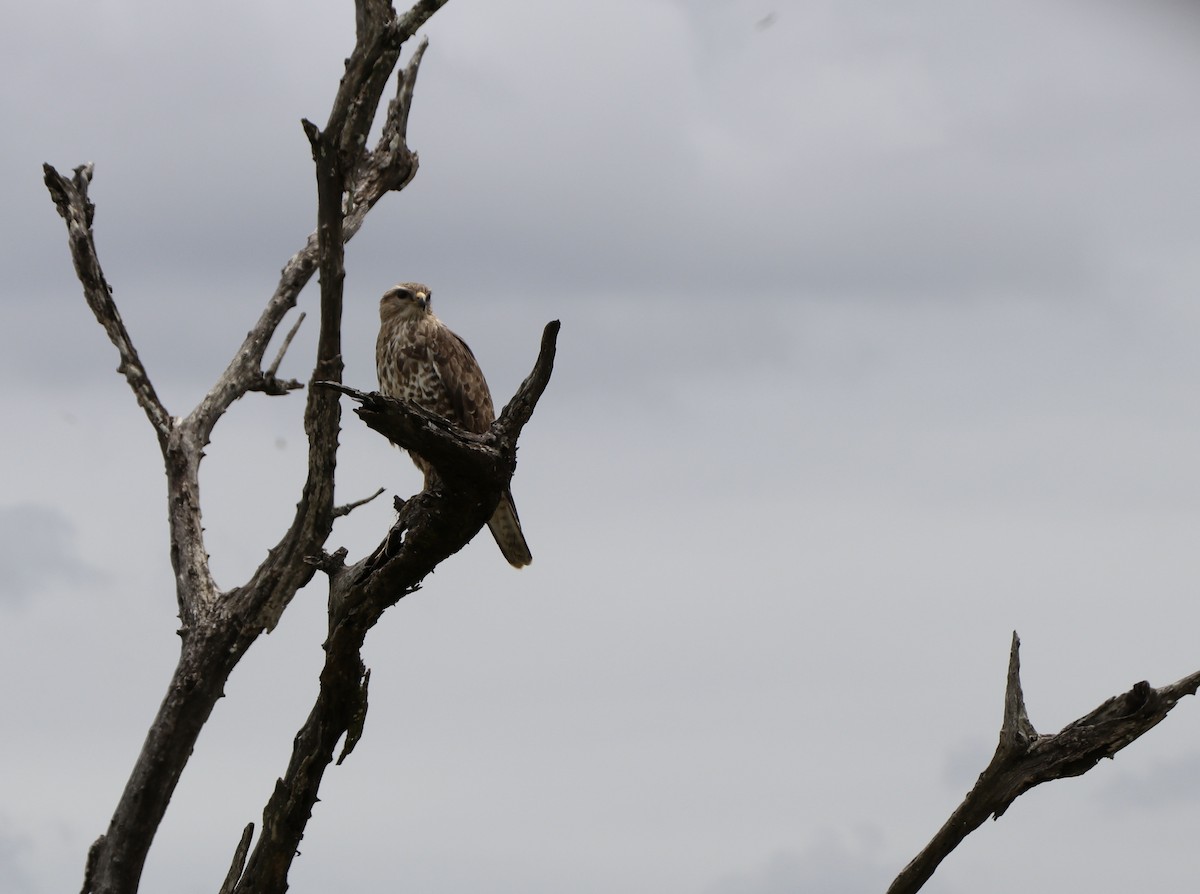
[[419, 360]]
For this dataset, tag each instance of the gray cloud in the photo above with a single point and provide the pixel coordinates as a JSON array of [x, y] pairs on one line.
[[38, 551], [1167, 782], [831, 864], [829, 155], [15, 877], [878, 342], [964, 762]]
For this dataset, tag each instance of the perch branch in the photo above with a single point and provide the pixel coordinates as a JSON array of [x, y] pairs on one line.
[[453, 451], [431, 526], [518, 411], [1024, 758]]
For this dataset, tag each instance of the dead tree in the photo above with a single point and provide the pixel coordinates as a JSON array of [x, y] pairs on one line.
[[217, 627]]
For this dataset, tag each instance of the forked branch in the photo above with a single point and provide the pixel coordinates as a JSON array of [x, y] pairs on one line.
[[454, 451], [71, 199], [1024, 758], [431, 526], [218, 627]]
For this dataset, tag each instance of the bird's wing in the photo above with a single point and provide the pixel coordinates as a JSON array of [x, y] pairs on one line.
[[462, 380]]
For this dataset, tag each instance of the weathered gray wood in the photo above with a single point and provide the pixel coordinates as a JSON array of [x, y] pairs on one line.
[[1024, 758], [239, 860], [218, 627]]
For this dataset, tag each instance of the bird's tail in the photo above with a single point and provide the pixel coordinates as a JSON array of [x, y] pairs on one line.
[[506, 528]]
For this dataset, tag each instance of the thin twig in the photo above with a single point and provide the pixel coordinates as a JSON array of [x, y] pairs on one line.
[[346, 508], [287, 343], [239, 861], [269, 382]]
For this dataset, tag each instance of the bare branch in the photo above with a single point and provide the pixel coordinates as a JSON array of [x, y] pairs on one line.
[[243, 373], [270, 383], [454, 451], [1025, 759], [71, 200], [239, 861], [431, 526], [93, 859], [389, 167], [347, 508], [330, 563], [287, 343], [1016, 731], [181, 451], [370, 175], [519, 410], [218, 628], [408, 24], [276, 387], [395, 126], [210, 652], [369, 15]]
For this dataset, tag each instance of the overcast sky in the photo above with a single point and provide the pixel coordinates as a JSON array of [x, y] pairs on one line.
[[879, 342]]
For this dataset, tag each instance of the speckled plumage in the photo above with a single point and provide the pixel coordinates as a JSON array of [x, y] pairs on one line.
[[420, 360]]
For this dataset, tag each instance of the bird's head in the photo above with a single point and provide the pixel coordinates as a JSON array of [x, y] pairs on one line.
[[405, 301]]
